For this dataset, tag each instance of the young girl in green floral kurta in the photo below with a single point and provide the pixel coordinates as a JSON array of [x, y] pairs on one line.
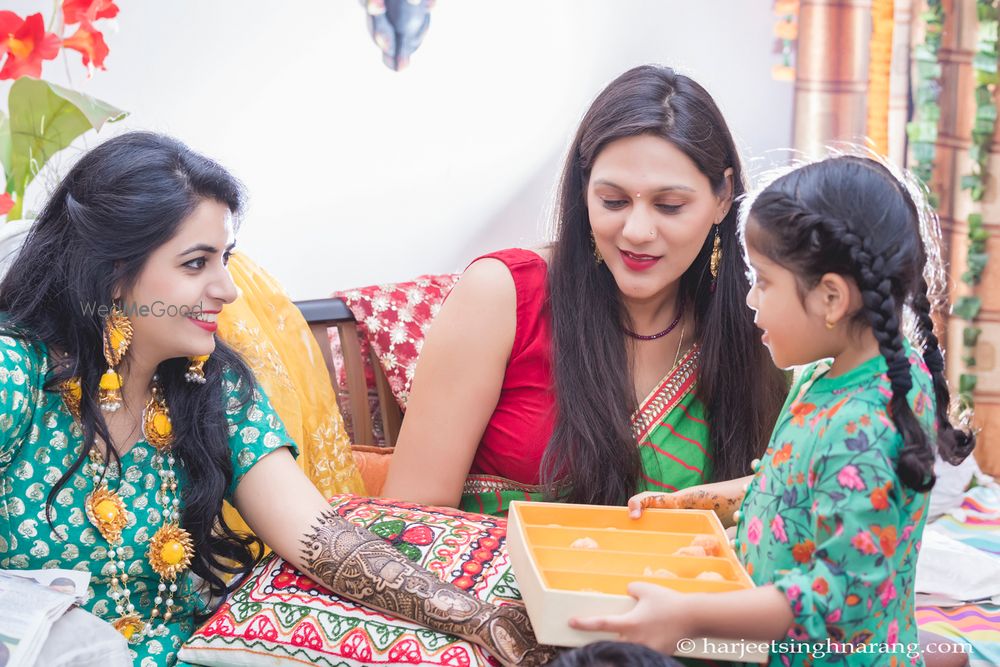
[[832, 518]]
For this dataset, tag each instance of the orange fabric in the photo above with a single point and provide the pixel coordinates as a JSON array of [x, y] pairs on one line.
[[373, 464]]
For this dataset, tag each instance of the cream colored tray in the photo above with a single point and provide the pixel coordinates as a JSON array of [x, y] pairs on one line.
[[559, 581]]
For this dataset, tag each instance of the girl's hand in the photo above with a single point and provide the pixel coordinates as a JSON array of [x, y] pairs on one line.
[[647, 499], [723, 498], [658, 620]]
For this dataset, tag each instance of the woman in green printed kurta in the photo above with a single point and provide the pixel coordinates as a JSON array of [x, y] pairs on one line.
[[831, 522], [39, 440], [124, 423]]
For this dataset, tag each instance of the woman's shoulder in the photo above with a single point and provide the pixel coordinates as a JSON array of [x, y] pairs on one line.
[[504, 274], [238, 389], [516, 258], [22, 377], [21, 357]]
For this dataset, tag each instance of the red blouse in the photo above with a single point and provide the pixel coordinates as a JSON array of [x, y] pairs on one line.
[[522, 423]]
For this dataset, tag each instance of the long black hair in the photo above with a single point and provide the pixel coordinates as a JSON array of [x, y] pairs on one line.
[[120, 202], [740, 388], [851, 216]]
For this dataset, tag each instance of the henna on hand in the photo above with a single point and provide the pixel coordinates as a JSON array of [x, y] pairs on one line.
[[722, 504], [359, 565], [663, 501]]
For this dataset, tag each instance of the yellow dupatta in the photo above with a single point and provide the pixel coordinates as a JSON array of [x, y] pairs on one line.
[[268, 330]]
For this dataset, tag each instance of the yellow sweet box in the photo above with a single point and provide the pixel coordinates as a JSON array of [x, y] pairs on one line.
[[578, 560]]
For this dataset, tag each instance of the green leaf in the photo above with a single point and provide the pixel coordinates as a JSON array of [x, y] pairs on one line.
[[986, 112], [977, 261], [975, 151], [984, 126], [967, 307], [44, 119], [388, 529], [970, 278], [967, 383], [982, 62], [984, 79], [5, 148], [410, 551], [979, 235], [970, 335]]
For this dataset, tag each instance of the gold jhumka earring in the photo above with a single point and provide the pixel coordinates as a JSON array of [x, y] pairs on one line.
[[117, 338], [196, 370], [716, 260]]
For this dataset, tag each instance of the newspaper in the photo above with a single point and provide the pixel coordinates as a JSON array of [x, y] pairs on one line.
[[30, 602]]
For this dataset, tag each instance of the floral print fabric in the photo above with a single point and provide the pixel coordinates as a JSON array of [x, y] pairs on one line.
[[827, 520], [39, 441]]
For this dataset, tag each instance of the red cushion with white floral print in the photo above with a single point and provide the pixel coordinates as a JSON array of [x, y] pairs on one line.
[[393, 320]]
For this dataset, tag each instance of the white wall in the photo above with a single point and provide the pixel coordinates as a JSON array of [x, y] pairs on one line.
[[358, 174]]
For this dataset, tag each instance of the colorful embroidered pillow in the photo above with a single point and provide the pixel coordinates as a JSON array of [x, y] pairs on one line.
[[280, 617]]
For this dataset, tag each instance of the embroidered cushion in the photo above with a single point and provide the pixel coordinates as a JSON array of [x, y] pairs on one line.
[[281, 617]]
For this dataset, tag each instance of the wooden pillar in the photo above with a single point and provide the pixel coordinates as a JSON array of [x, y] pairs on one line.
[[831, 77], [987, 393], [952, 162], [899, 80]]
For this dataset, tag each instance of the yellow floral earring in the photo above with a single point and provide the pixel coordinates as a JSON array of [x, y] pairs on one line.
[[117, 338], [196, 370]]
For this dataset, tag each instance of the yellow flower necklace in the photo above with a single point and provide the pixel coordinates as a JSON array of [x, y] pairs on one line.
[[170, 549]]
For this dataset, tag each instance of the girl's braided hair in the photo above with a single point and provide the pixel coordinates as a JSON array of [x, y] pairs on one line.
[[851, 216]]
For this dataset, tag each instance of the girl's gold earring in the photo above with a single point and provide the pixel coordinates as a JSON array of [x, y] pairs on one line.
[[830, 325], [196, 370], [117, 338]]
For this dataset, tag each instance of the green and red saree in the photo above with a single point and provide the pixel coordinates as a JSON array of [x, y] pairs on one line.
[[671, 433]]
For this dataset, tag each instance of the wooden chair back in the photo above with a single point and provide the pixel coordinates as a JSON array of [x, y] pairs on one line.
[[321, 314]]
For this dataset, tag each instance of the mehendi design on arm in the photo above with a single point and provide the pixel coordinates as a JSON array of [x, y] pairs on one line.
[[359, 565], [723, 504]]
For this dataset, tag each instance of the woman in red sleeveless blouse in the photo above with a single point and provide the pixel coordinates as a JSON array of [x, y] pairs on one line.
[[532, 378]]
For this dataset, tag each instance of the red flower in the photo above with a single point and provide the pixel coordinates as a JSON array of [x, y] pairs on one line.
[[803, 551], [887, 540], [78, 11], [799, 412], [26, 45], [821, 586], [863, 542], [90, 43], [6, 203], [880, 498], [782, 455]]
